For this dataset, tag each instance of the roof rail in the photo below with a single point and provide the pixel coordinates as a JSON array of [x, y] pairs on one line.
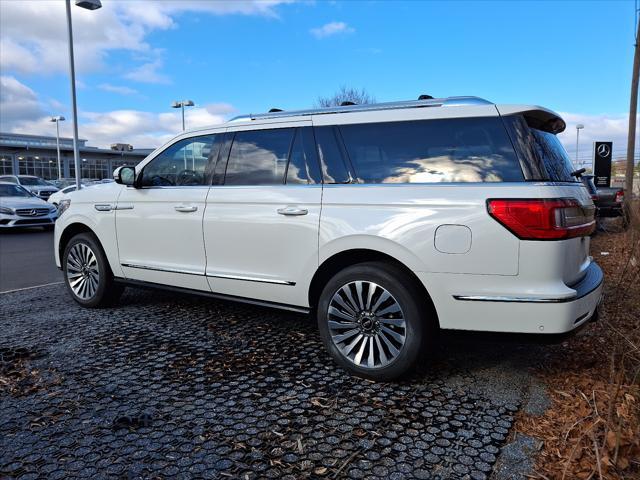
[[434, 102]]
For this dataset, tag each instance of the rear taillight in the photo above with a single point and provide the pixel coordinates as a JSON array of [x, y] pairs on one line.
[[543, 219], [620, 196]]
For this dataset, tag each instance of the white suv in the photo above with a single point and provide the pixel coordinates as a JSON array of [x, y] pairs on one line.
[[388, 221]]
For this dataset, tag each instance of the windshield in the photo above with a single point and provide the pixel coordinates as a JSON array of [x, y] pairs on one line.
[[13, 191], [31, 181]]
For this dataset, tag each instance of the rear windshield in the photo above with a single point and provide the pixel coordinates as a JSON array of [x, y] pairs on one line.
[[542, 155], [432, 151]]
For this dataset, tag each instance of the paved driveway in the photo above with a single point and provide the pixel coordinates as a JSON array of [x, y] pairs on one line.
[[26, 259], [167, 386]]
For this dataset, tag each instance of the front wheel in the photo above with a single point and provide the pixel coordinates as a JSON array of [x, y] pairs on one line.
[[87, 275], [372, 319]]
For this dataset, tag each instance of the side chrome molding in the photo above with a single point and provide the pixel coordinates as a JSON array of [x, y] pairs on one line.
[[191, 272]]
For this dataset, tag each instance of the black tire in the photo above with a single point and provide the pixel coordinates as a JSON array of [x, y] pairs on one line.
[[419, 328], [106, 290]]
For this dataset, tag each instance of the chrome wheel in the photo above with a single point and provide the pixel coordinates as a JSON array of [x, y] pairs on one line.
[[367, 324], [83, 273]]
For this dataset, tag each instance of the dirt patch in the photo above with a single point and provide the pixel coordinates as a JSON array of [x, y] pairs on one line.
[[592, 429]]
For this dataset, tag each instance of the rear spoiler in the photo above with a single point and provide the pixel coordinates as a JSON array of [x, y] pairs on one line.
[[537, 117]]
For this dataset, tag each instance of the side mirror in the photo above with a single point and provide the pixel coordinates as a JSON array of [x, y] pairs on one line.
[[125, 176]]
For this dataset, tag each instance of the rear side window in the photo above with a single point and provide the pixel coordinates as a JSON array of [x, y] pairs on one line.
[[273, 157], [259, 157], [542, 155], [432, 151], [332, 156], [303, 164]]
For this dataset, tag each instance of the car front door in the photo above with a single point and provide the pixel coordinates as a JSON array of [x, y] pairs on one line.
[[159, 223], [261, 222]]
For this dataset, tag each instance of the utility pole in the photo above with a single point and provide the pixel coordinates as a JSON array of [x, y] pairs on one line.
[[633, 111]]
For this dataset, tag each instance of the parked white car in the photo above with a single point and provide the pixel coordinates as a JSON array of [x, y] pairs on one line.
[[36, 185], [57, 197], [388, 221], [20, 208]]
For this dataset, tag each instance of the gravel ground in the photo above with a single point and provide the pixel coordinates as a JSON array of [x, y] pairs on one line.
[[169, 386]]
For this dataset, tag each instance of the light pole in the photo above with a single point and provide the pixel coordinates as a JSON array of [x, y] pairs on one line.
[[181, 104], [88, 5], [578, 128], [58, 119]]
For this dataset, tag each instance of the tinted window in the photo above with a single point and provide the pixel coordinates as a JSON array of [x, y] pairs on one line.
[[13, 191], [432, 151], [8, 179], [259, 157], [541, 154], [185, 163], [303, 165], [332, 161], [33, 181], [552, 154]]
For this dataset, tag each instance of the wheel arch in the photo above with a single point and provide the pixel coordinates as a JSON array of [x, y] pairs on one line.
[[71, 231], [347, 258]]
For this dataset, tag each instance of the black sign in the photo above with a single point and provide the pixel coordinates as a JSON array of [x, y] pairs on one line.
[[602, 152]]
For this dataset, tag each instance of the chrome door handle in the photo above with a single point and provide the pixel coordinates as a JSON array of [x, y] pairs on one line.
[[292, 211], [185, 208]]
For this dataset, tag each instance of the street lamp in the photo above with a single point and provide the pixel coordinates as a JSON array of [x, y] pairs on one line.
[[578, 128], [88, 5], [58, 119], [181, 104]]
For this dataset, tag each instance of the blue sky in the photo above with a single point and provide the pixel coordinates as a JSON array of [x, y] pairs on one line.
[[135, 58]]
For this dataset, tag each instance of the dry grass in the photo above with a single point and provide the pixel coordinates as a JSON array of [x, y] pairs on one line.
[[593, 428]]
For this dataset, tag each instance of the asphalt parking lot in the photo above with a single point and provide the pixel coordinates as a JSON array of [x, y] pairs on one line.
[[26, 259], [170, 386]]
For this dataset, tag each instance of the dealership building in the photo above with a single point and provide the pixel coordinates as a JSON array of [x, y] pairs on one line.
[[37, 155]]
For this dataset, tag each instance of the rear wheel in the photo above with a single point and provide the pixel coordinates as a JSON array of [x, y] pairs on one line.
[[87, 275], [373, 320]]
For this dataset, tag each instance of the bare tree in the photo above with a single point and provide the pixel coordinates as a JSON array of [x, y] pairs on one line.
[[346, 94]]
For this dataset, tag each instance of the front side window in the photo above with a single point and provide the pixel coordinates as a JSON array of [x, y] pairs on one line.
[[259, 157], [185, 163], [432, 151]]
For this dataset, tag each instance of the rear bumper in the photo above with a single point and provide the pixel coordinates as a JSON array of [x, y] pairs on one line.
[[613, 210], [523, 313]]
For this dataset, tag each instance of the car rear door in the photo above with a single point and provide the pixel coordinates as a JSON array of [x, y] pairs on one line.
[[261, 221]]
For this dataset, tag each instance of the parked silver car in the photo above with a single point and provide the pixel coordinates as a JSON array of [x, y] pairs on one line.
[[20, 208], [35, 185]]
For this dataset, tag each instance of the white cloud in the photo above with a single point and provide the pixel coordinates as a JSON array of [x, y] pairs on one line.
[[330, 29], [33, 38], [120, 89], [148, 73], [17, 102], [596, 128]]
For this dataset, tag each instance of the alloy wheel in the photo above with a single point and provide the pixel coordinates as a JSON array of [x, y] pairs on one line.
[[366, 324], [83, 273]]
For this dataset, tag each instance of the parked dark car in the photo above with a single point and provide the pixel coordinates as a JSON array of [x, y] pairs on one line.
[[608, 200]]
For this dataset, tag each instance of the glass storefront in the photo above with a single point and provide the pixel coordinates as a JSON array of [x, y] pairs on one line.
[[43, 167], [6, 164], [92, 169]]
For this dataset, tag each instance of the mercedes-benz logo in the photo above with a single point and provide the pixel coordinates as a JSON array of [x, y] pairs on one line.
[[33, 212], [603, 150]]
